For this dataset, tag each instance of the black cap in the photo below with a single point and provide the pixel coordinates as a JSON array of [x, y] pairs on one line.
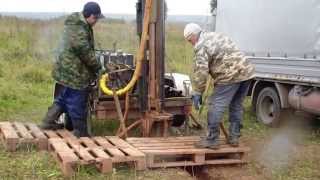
[[92, 8]]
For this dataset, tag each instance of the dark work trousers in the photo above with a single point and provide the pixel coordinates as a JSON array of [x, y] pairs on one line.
[[74, 103], [227, 96]]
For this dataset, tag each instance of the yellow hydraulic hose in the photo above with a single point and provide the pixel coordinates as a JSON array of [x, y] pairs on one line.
[[140, 55]]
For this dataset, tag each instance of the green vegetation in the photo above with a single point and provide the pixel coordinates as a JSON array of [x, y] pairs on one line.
[[26, 54]]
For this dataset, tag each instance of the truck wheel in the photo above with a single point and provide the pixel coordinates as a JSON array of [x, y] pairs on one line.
[[268, 107]]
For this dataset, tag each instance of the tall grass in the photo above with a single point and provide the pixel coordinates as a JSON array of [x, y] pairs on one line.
[[25, 67]]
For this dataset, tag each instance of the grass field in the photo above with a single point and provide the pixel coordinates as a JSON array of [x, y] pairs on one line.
[[26, 54]]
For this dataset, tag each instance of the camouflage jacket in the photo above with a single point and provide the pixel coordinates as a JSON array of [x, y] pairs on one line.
[[217, 55], [76, 65]]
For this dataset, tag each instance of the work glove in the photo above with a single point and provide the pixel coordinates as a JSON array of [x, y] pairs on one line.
[[196, 99]]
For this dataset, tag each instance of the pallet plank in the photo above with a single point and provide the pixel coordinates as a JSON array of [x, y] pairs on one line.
[[59, 146], [165, 148], [133, 152], [35, 130], [118, 142], [42, 141], [124, 146], [164, 144], [67, 157], [165, 139], [193, 151], [174, 164], [111, 149], [22, 130], [9, 136], [65, 134], [100, 153], [177, 146], [80, 150], [88, 142], [103, 142], [51, 134], [8, 131]]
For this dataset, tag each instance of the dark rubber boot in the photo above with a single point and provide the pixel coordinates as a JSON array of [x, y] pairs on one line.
[[80, 128], [234, 134], [68, 123], [211, 141], [49, 122]]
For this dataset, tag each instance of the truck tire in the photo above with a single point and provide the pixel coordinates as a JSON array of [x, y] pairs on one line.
[[268, 107]]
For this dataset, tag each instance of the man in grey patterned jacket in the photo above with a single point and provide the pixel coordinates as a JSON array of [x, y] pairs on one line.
[[217, 55]]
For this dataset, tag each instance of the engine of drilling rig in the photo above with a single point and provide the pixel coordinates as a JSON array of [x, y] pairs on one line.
[[121, 66]]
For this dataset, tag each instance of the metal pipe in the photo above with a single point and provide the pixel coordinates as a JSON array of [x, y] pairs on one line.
[[160, 51], [308, 101]]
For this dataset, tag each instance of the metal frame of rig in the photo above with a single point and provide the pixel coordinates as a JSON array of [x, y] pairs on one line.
[[149, 102]]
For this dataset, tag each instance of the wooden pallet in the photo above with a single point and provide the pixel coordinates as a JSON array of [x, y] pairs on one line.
[[14, 134], [180, 151], [102, 152]]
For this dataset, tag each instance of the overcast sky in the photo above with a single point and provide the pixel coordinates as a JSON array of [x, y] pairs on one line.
[[185, 7]]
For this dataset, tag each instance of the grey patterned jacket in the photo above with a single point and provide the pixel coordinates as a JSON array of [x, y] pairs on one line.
[[217, 55]]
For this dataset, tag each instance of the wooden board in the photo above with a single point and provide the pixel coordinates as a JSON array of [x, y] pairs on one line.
[[181, 151], [14, 134], [102, 152]]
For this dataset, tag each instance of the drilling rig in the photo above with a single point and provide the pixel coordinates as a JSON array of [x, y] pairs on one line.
[[152, 100]]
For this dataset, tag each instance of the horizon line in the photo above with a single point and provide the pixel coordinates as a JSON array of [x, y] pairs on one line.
[[133, 14]]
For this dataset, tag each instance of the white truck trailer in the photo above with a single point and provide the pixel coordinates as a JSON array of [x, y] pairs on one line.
[[282, 39]]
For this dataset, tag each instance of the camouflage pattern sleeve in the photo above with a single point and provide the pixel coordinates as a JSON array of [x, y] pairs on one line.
[[200, 70], [84, 49], [227, 64]]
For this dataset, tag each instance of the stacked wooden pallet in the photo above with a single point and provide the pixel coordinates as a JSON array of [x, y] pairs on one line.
[[181, 151], [102, 152]]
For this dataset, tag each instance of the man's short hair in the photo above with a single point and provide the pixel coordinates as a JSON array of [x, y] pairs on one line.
[[92, 8]]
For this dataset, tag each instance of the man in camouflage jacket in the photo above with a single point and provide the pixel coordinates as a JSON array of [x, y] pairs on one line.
[[217, 55], [75, 69]]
